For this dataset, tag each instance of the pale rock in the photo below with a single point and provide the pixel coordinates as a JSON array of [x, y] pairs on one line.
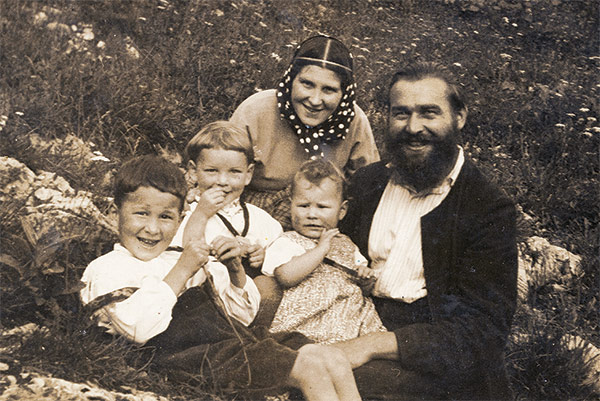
[[541, 263]]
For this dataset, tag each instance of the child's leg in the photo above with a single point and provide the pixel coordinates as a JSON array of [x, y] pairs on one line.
[[270, 298], [323, 373]]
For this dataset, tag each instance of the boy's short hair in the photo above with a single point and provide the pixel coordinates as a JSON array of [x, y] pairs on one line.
[[316, 170], [149, 171], [220, 135]]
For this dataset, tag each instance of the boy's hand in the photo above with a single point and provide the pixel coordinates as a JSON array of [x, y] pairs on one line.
[[227, 250], [326, 238], [256, 255], [210, 201], [195, 255]]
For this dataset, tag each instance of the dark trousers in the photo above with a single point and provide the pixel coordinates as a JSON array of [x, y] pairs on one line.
[[202, 347], [390, 380]]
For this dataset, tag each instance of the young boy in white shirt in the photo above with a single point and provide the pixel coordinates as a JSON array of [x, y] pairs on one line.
[[220, 159], [149, 196]]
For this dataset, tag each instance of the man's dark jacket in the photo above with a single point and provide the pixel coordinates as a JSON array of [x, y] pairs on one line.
[[470, 267]]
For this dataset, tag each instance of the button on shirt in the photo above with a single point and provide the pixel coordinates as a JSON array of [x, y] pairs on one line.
[[395, 236]]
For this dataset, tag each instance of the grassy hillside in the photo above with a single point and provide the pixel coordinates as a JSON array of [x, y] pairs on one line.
[[144, 76]]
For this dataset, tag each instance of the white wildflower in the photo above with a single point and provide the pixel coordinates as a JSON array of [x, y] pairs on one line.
[[596, 129], [592, 119], [219, 13], [559, 125], [232, 62], [571, 115], [262, 24], [100, 44], [505, 56], [457, 64], [40, 18], [505, 20], [584, 109], [276, 56], [19, 113]]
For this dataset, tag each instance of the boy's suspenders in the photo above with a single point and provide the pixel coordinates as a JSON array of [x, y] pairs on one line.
[[245, 262]]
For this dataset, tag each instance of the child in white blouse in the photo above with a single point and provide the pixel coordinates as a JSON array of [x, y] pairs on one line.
[[320, 269]]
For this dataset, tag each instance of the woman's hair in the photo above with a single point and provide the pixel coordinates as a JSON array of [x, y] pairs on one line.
[[326, 52], [422, 70], [149, 171], [316, 170], [220, 135]]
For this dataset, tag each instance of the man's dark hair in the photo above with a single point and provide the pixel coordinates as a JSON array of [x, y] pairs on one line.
[[149, 171], [422, 70]]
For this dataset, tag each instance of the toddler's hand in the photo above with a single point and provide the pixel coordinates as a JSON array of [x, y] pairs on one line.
[[227, 250], [195, 254], [366, 279], [210, 201], [327, 237], [256, 255]]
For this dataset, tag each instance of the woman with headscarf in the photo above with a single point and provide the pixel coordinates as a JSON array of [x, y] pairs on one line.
[[311, 113]]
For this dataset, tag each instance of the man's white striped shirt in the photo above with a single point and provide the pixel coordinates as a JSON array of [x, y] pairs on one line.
[[395, 236]]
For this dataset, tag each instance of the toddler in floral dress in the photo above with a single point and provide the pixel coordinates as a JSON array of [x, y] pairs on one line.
[[321, 270]]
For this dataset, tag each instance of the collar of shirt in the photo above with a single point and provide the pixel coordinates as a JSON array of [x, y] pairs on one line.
[[446, 184], [230, 210]]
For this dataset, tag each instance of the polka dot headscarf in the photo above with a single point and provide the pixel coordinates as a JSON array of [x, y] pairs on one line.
[[330, 53]]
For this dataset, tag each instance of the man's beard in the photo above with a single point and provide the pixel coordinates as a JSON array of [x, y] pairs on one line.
[[428, 173]]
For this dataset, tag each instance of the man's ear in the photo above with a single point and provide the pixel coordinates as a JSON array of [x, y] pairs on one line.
[[250, 173], [461, 118], [343, 210]]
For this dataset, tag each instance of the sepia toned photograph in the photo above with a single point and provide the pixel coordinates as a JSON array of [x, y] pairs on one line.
[[310, 200]]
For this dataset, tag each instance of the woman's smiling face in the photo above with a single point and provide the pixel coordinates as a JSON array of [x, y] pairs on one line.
[[316, 93]]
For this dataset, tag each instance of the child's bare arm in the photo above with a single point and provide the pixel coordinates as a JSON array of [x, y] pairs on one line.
[[209, 202], [227, 250], [299, 267], [194, 256]]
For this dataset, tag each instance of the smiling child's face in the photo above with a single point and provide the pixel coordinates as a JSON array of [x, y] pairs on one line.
[[316, 207], [227, 170], [148, 221]]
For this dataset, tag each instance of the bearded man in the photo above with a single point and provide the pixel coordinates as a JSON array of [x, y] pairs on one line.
[[441, 239]]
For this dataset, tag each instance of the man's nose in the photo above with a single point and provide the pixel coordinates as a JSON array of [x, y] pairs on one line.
[[414, 124]]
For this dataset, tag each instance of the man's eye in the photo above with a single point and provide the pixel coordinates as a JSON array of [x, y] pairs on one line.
[[141, 213], [166, 216], [330, 90]]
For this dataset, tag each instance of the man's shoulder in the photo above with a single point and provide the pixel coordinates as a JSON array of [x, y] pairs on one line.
[[371, 175], [481, 192]]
